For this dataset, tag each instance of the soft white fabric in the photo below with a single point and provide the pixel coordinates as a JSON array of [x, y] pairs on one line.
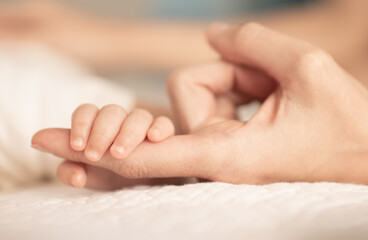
[[197, 211], [40, 89]]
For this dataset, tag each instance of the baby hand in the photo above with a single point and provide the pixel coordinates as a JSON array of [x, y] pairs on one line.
[[94, 130]]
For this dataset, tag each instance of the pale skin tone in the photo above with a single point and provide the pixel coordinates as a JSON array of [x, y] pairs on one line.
[[311, 126], [95, 132]]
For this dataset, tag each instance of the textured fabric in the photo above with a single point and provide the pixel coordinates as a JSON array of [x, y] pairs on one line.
[[39, 89], [197, 211]]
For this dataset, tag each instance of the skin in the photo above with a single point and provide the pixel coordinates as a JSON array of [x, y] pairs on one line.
[[109, 129], [311, 126]]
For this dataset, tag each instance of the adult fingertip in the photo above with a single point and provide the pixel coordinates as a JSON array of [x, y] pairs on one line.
[[37, 137], [43, 138]]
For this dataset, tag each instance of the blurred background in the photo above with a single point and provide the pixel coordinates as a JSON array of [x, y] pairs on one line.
[[137, 43], [185, 9]]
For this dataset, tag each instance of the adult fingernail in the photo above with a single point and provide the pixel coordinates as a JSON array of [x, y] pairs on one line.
[[218, 28], [40, 148]]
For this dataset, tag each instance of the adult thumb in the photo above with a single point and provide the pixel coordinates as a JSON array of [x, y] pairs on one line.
[[256, 46]]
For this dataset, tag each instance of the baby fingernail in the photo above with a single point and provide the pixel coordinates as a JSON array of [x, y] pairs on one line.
[[78, 142], [93, 155], [40, 148], [119, 149]]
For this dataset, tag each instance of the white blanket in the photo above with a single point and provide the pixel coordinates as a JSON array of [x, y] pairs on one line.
[[197, 211]]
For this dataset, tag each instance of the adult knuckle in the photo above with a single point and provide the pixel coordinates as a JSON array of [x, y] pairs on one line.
[[312, 58], [310, 61], [77, 157], [134, 169]]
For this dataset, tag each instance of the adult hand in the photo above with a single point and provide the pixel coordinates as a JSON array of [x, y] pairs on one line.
[[311, 126]]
